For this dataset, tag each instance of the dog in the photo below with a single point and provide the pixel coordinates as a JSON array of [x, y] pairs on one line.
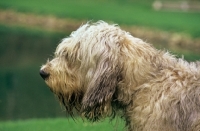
[[101, 70]]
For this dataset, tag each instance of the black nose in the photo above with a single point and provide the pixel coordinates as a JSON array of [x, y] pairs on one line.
[[44, 74]]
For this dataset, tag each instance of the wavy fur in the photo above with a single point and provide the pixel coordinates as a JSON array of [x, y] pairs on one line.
[[100, 69]]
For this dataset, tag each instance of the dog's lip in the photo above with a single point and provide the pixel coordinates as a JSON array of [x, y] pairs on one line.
[[44, 74]]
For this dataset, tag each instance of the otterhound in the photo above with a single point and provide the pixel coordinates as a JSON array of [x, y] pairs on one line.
[[100, 70]]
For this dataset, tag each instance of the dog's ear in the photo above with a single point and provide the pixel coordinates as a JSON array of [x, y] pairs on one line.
[[97, 99]]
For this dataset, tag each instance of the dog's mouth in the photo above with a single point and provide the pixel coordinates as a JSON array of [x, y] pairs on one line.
[[71, 101]]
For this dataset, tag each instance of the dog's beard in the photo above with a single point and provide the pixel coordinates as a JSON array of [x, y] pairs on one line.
[[71, 102], [73, 106]]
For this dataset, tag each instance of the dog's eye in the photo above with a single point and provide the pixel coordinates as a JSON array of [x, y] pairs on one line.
[[62, 54], [66, 56]]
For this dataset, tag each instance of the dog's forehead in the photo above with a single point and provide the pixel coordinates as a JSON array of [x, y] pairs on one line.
[[61, 48], [90, 36]]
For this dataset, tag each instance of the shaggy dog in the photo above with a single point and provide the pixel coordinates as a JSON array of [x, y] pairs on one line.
[[101, 70]]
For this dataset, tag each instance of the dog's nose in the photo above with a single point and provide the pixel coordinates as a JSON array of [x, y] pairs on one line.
[[44, 74]]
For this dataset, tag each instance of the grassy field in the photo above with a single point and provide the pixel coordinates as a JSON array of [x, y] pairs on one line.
[[123, 12], [61, 124]]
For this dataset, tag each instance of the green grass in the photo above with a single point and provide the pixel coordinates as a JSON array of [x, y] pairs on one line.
[[61, 124], [123, 12]]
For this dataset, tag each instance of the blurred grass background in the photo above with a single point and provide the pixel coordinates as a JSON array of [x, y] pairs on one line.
[[25, 46], [137, 12]]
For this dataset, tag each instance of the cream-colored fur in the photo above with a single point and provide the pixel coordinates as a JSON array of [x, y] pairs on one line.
[[100, 69]]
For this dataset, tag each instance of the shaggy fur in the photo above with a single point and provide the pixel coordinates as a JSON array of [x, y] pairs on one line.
[[100, 70]]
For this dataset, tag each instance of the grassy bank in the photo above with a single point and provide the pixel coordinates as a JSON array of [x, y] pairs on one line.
[[124, 12], [61, 124]]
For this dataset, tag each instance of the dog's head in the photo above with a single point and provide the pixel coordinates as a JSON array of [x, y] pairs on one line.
[[86, 69]]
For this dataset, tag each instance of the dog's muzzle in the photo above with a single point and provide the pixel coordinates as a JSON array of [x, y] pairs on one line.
[[44, 74]]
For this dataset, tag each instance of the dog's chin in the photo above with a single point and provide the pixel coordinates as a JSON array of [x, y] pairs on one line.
[[71, 102]]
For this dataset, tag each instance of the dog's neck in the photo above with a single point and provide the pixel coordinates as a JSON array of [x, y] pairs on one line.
[[143, 62]]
